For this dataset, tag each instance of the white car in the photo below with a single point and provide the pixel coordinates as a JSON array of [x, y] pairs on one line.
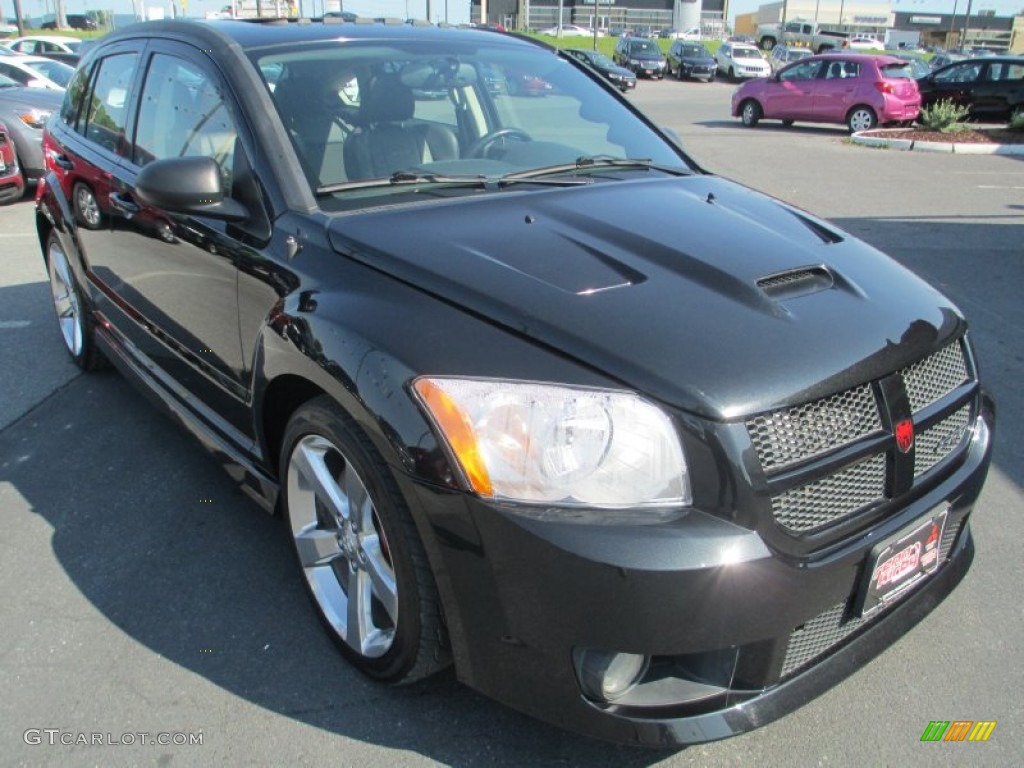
[[861, 43], [741, 61], [40, 44], [693, 33], [570, 30], [36, 71]]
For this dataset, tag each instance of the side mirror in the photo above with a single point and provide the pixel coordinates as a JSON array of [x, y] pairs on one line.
[[189, 185]]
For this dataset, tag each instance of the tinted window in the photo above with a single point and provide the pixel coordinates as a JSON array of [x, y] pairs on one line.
[[905, 71], [108, 104], [804, 71], [73, 98], [1003, 70], [182, 113], [962, 73]]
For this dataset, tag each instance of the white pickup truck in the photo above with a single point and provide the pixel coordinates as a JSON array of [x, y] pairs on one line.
[[800, 32]]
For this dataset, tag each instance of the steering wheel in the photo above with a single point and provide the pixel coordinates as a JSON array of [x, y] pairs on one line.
[[483, 146]]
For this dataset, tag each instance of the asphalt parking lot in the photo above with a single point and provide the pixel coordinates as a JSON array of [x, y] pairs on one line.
[[141, 593]]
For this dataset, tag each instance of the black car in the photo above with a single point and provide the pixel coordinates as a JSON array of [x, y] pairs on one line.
[[620, 77], [991, 88], [75, 21], [639, 451], [641, 56], [690, 61]]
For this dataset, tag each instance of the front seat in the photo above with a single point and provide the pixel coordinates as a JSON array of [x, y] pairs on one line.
[[385, 143]]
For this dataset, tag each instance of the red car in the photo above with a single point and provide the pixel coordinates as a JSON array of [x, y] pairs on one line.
[[12, 185], [859, 90]]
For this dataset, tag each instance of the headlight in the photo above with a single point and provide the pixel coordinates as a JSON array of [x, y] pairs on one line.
[[548, 444], [36, 118]]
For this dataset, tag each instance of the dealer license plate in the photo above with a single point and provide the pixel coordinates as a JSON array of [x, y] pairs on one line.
[[898, 565]]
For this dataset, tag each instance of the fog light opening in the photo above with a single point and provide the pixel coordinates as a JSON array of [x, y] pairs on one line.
[[608, 675]]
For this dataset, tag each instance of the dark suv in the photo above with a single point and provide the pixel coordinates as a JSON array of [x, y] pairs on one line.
[[641, 56], [640, 451], [75, 21]]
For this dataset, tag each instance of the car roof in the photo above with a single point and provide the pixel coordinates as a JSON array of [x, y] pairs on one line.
[[268, 32], [46, 39]]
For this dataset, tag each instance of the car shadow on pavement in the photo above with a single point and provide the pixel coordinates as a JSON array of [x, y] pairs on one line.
[[165, 547]]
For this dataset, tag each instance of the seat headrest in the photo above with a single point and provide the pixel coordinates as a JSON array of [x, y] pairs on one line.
[[387, 100]]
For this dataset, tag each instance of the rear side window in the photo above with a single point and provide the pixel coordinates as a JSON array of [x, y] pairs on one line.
[[107, 109], [1003, 70]]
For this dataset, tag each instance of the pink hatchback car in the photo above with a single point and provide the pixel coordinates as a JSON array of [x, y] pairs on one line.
[[859, 90]]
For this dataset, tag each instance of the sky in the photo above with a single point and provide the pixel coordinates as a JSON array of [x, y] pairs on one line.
[[458, 10]]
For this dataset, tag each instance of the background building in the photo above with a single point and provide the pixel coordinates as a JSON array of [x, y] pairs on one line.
[[635, 15]]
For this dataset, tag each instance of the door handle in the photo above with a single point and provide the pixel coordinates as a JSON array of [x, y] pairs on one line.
[[62, 162], [124, 205]]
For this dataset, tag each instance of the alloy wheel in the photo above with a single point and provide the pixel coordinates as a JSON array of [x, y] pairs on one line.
[[65, 300], [342, 547]]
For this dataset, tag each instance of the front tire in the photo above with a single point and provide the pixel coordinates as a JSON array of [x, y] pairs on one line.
[[750, 113], [71, 309], [364, 565], [861, 118]]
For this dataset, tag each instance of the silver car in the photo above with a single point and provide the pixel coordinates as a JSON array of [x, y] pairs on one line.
[[25, 111]]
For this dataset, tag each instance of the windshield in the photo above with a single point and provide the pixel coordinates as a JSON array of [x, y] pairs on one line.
[[745, 53], [696, 52], [796, 53], [644, 46], [600, 60], [460, 110], [54, 70]]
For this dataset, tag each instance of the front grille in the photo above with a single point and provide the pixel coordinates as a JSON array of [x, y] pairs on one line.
[[935, 377], [829, 628], [787, 437], [833, 497], [940, 440]]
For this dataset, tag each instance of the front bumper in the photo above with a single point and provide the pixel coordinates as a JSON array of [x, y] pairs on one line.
[[747, 632]]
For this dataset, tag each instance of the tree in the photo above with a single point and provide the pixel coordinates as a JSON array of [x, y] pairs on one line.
[[62, 16]]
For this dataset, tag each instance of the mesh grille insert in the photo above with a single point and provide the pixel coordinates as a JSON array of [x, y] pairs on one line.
[[824, 501], [937, 442], [831, 627], [936, 376], [786, 437]]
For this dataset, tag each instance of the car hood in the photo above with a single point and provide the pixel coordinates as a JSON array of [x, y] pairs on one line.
[[698, 60], [645, 56], [659, 283], [38, 98]]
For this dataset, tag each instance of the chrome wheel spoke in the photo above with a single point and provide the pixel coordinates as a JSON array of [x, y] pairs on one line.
[[317, 547], [308, 460], [381, 576], [361, 631], [360, 506]]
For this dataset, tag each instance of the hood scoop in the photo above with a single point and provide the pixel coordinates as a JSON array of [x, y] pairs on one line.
[[794, 283]]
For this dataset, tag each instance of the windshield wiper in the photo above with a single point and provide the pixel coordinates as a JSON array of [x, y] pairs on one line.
[[401, 178], [587, 162], [413, 177]]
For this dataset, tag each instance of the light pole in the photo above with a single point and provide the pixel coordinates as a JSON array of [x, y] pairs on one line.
[[967, 19]]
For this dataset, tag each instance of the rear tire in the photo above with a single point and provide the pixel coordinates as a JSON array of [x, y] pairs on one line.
[[750, 113], [861, 118], [364, 565], [87, 210]]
